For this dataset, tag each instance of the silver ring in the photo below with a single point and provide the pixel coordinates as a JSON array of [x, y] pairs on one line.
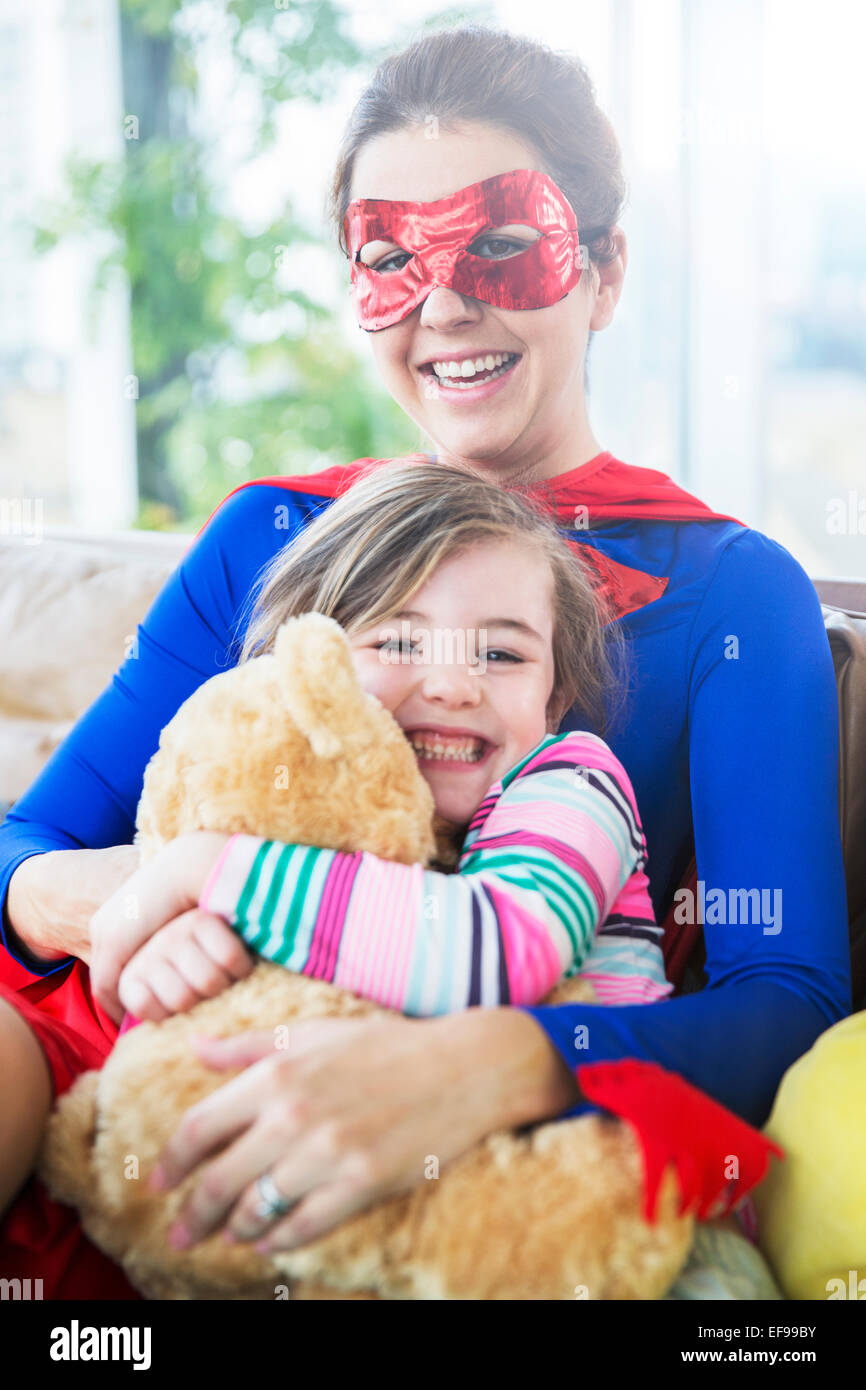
[[272, 1202]]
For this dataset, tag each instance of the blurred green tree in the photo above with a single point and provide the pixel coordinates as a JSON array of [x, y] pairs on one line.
[[236, 375]]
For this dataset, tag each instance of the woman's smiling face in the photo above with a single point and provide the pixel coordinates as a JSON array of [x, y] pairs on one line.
[[532, 423]]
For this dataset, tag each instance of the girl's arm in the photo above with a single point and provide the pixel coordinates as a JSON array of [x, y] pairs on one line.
[[85, 797], [763, 750], [539, 870]]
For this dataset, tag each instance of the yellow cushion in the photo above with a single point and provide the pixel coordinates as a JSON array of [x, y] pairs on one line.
[[812, 1205]]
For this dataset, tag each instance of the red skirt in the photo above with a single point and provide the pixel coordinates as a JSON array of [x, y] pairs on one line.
[[40, 1238]]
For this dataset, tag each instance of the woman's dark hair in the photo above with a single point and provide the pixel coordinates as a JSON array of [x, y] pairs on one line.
[[479, 74]]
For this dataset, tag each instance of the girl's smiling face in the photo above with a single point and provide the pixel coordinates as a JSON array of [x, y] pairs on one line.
[[481, 634], [532, 423]]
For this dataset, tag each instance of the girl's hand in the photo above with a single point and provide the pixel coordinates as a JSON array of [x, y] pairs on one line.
[[192, 958], [349, 1112], [167, 885]]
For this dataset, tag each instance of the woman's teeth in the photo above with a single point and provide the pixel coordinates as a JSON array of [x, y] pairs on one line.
[[466, 750], [473, 370]]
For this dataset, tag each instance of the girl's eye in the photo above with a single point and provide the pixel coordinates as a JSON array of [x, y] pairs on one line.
[[498, 651], [509, 246], [394, 644]]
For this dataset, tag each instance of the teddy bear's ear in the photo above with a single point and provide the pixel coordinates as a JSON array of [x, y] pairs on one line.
[[317, 678]]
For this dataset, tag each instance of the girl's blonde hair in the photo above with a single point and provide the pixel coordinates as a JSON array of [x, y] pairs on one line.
[[366, 554]]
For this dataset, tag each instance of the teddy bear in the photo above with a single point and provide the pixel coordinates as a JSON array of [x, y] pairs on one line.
[[289, 747]]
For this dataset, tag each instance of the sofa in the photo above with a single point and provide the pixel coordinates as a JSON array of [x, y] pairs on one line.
[[70, 602]]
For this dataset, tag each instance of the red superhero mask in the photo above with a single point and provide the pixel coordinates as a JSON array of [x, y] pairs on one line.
[[437, 238]]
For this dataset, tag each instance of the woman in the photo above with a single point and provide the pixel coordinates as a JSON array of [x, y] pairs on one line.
[[730, 734]]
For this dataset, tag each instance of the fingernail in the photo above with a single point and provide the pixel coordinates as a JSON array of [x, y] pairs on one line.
[[179, 1237]]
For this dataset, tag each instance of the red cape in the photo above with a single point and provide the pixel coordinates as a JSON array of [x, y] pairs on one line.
[[602, 490], [609, 489]]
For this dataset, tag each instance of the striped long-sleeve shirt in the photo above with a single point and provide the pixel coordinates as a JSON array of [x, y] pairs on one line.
[[550, 881]]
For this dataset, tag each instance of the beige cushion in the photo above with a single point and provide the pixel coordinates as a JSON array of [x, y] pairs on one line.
[[69, 608]]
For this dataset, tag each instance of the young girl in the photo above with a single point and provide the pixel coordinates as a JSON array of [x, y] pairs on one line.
[[417, 562]]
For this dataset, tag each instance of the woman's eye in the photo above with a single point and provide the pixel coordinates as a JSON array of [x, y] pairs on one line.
[[501, 248], [508, 246], [386, 265]]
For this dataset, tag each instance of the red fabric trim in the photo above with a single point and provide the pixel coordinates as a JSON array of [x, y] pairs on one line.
[[677, 1123], [615, 491], [66, 997], [40, 1238], [330, 482], [609, 489], [621, 588]]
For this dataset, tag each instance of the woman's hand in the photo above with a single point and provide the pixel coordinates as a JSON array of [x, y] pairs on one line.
[[349, 1112], [168, 885], [52, 897], [192, 958]]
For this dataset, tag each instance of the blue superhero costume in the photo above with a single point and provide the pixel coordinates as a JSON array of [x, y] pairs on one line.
[[729, 736]]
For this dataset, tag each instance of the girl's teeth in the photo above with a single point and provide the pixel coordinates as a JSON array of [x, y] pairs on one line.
[[467, 752]]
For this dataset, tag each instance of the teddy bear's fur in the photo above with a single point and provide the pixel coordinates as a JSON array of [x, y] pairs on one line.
[[288, 746]]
